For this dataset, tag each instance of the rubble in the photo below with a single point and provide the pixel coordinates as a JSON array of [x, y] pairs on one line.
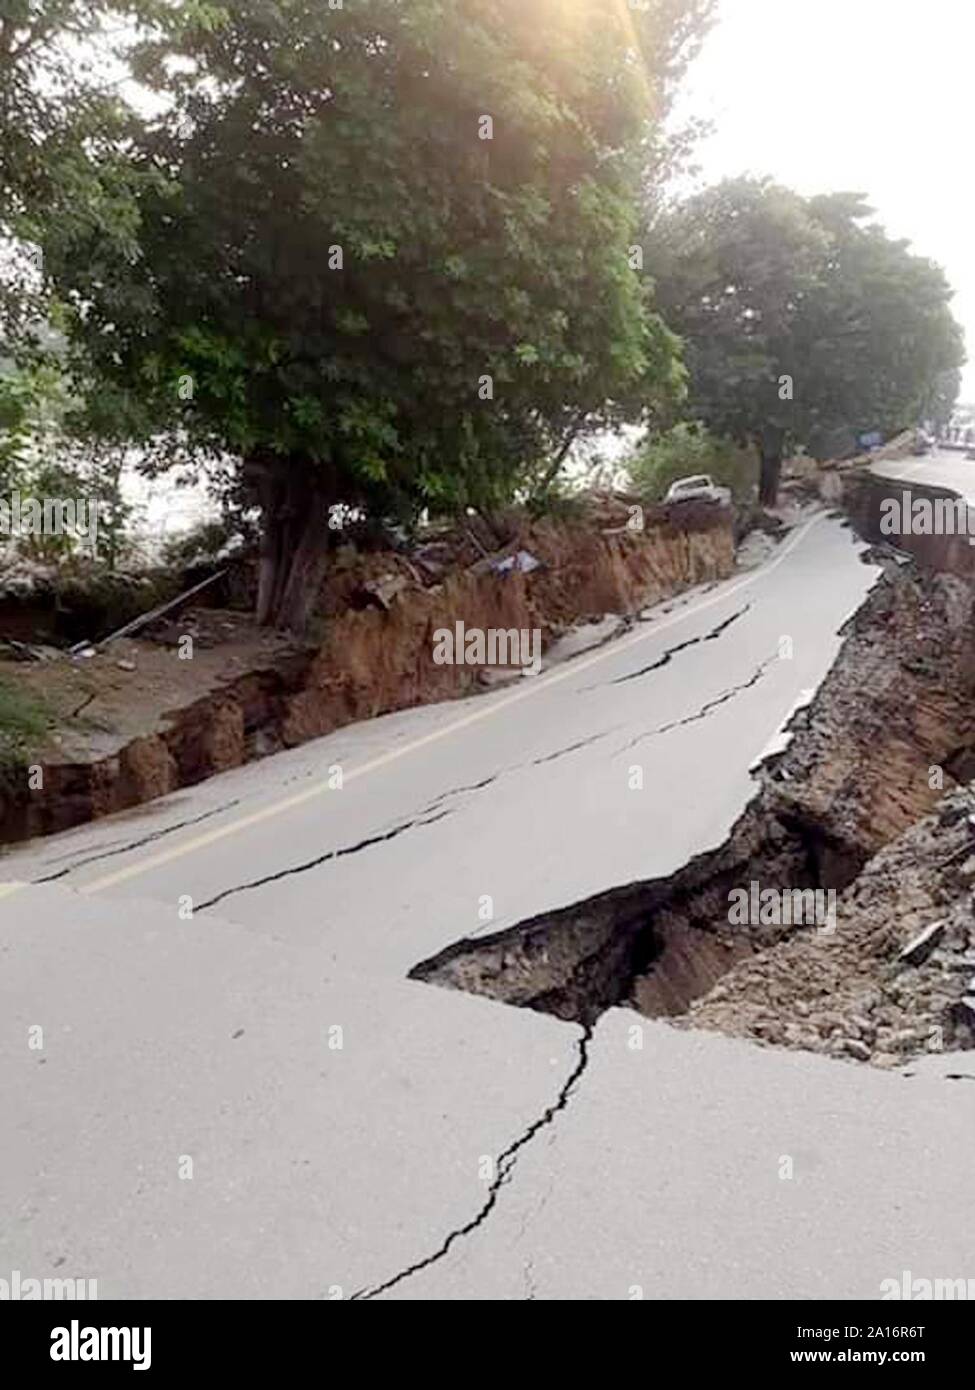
[[923, 944], [893, 980]]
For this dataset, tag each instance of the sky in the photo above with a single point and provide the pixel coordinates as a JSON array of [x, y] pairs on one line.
[[876, 96]]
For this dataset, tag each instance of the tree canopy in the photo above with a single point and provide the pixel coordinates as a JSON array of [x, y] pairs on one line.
[[802, 321], [384, 251], [64, 160], [391, 254]]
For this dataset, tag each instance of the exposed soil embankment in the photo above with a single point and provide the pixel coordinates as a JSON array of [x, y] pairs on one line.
[[864, 496], [372, 662], [138, 721], [897, 705], [667, 939], [853, 806]]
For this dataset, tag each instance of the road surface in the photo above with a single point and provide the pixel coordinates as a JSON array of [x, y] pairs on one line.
[[254, 1101], [941, 468]]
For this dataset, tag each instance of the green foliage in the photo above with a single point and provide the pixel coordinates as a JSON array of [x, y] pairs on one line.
[[46, 451], [63, 160], [204, 542], [687, 449], [17, 404], [24, 721], [940, 399], [34, 406], [297, 132], [768, 288], [63, 165]]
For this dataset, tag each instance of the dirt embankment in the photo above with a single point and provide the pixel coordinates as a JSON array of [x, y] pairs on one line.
[[897, 705], [854, 807], [137, 721], [863, 496], [880, 777], [372, 661]]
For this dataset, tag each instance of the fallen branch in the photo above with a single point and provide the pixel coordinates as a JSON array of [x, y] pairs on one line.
[[149, 617]]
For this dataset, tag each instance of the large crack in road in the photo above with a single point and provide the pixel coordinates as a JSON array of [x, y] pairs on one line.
[[504, 1168], [656, 944], [381, 839], [671, 652], [707, 708], [419, 818], [130, 845], [848, 809]]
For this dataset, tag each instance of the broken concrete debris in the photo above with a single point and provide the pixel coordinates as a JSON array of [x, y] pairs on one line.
[[923, 944], [522, 562]]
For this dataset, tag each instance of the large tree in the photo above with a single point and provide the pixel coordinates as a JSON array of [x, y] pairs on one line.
[[384, 256], [802, 321], [63, 156]]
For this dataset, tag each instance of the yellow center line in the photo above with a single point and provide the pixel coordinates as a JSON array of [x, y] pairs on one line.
[[488, 711]]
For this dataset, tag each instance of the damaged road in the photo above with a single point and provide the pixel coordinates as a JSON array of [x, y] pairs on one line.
[[717, 631], [402, 1127], [555, 813], [504, 1166], [891, 973]]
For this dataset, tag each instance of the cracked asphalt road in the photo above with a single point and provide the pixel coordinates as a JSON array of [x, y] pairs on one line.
[[356, 1134], [947, 468]]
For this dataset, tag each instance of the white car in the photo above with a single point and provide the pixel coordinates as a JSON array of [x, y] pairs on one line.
[[700, 488]]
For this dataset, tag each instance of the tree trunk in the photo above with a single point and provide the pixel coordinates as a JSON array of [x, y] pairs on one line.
[[294, 542], [304, 571], [768, 488], [551, 473], [771, 446], [271, 492]]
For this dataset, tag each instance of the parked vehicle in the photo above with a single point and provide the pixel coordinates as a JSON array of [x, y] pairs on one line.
[[922, 444], [699, 488]]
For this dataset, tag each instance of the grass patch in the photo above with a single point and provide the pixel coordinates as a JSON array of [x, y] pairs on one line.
[[24, 721]]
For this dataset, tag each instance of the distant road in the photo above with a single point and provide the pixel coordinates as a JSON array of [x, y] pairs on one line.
[[943, 468]]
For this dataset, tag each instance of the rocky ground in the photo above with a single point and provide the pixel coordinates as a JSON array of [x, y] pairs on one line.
[[895, 978], [877, 783], [893, 725]]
